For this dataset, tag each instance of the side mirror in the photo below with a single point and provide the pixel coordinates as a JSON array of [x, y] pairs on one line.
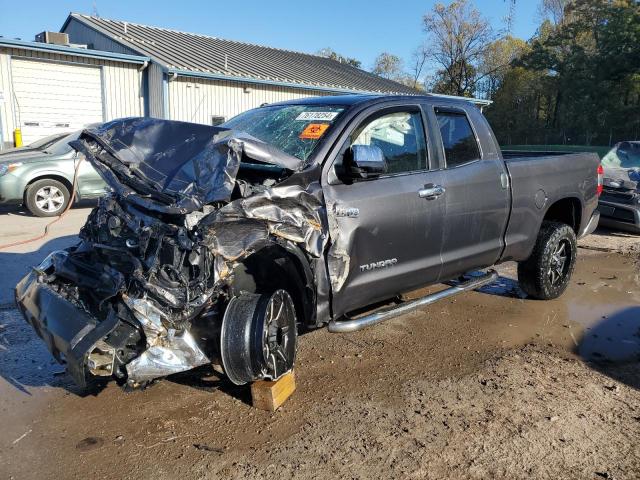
[[365, 161]]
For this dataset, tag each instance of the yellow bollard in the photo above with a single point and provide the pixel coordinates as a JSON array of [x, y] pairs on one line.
[[17, 137]]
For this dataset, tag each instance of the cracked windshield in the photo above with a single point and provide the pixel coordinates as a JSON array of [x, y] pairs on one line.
[[294, 129]]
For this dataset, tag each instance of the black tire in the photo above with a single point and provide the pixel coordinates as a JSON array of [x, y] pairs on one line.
[[46, 198], [259, 336], [545, 275]]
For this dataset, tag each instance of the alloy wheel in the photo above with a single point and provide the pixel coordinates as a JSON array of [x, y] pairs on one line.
[[560, 262], [49, 199]]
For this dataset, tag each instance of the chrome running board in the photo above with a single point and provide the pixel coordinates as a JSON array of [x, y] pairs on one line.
[[352, 325]]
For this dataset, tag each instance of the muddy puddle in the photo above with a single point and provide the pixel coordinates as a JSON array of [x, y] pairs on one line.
[[607, 307], [600, 312]]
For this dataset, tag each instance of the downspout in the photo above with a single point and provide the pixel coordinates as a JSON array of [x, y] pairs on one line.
[[144, 88], [1, 132], [167, 77]]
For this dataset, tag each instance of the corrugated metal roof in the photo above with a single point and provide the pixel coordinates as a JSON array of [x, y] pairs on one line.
[[200, 53], [78, 52]]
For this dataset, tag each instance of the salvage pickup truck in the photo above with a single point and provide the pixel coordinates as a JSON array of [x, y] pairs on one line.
[[218, 244]]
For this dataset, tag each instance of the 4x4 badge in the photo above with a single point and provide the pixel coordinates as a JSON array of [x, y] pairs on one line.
[[346, 212]]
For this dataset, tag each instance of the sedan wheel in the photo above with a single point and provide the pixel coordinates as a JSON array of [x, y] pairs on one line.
[[46, 198], [49, 199]]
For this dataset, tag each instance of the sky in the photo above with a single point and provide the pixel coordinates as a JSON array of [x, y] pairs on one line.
[[355, 28]]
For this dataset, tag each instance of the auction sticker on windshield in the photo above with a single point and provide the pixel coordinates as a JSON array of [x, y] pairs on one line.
[[314, 131], [315, 116]]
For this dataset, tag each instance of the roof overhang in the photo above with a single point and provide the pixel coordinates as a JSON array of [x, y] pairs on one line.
[[258, 81], [77, 52]]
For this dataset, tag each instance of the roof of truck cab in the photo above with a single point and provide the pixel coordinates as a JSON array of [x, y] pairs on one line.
[[356, 99]]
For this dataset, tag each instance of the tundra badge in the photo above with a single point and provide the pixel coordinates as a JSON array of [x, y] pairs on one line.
[[381, 264]]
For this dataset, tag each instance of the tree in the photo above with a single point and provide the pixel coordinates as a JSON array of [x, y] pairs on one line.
[[496, 60], [419, 59], [388, 66], [328, 52], [457, 35], [577, 80], [554, 10]]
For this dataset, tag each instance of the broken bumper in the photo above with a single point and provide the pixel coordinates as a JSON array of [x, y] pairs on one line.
[[69, 332], [83, 342]]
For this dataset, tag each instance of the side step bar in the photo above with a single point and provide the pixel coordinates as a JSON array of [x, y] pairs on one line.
[[353, 325]]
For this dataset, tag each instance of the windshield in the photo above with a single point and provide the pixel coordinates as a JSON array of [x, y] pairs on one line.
[[626, 155], [62, 147], [294, 129], [45, 142]]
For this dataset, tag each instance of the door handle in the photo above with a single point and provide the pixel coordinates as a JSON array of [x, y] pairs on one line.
[[431, 193]]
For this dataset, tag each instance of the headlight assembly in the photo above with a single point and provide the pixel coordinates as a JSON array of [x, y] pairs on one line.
[[8, 167]]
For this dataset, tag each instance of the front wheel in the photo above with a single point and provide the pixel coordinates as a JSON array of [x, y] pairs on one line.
[[546, 273], [259, 336], [46, 198]]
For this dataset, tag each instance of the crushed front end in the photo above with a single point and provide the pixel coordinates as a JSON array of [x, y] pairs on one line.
[[142, 295]]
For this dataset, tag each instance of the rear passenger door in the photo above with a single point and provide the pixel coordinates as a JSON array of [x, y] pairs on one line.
[[476, 192]]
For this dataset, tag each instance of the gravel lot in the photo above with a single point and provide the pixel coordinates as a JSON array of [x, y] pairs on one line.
[[484, 385]]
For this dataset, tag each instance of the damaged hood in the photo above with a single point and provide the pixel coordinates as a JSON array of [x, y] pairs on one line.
[[173, 167]]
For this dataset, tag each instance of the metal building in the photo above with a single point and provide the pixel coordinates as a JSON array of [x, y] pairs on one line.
[[45, 88], [104, 69], [205, 79]]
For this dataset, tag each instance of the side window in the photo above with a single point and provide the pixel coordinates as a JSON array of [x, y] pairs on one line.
[[400, 136], [459, 143]]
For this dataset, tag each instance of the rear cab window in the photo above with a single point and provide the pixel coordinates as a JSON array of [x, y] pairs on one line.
[[458, 139]]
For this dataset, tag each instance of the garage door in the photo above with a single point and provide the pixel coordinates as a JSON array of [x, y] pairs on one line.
[[55, 97]]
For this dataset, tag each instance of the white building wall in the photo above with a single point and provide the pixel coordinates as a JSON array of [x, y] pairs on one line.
[[198, 99], [6, 93], [122, 86]]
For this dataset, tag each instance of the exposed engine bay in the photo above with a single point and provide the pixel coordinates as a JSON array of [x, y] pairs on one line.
[[162, 280]]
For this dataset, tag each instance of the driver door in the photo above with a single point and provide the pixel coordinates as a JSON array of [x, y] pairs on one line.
[[390, 232]]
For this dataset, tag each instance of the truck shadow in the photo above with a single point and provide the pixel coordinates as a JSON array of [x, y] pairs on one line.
[[21, 210], [503, 287], [612, 346], [17, 265], [205, 378], [24, 360]]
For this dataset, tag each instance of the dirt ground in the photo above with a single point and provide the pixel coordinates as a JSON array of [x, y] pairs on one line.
[[485, 385]]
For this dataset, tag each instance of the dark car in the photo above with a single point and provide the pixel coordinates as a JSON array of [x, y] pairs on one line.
[[620, 200], [218, 243]]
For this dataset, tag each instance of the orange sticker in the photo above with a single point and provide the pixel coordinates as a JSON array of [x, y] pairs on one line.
[[314, 131]]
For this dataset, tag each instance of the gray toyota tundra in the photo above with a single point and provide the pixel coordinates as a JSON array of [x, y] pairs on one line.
[[217, 245]]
